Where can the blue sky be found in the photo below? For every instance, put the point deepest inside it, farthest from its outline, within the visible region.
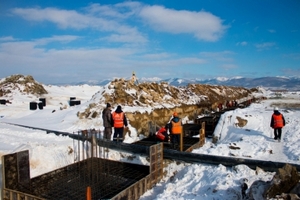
(69, 41)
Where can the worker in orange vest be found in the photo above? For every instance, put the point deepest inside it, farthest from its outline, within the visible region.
(175, 128)
(277, 122)
(162, 134)
(119, 121)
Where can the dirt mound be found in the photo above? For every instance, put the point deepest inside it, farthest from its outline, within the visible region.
(21, 83)
(161, 100)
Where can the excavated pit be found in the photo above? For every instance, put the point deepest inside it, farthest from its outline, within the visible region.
(106, 179)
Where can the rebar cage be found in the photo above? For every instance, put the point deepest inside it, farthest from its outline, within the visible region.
(107, 179)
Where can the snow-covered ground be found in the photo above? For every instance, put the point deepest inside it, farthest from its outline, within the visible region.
(182, 180)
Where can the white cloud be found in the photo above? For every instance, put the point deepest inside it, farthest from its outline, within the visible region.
(129, 38)
(63, 18)
(5, 39)
(244, 43)
(157, 56)
(203, 25)
(265, 45)
(22, 49)
(120, 19)
(66, 64)
(70, 19)
(114, 11)
(57, 38)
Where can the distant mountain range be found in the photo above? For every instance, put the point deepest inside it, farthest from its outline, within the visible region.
(266, 82)
(273, 83)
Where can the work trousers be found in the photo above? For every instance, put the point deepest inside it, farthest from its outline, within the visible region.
(175, 139)
(107, 133)
(277, 133)
(118, 134)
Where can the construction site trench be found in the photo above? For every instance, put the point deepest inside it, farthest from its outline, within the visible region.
(126, 176)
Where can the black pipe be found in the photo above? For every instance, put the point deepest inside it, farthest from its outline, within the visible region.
(198, 158)
(178, 155)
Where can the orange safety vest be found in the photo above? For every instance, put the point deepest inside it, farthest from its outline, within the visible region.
(176, 127)
(118, 119)
(278, 121)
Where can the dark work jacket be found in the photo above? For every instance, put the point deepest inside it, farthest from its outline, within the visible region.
(107, 118)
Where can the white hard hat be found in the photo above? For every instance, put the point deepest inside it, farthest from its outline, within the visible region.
(276, 108)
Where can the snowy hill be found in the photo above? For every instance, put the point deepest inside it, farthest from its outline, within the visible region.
(147, 101)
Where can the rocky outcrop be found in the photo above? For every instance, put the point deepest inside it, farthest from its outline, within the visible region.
(284, 185)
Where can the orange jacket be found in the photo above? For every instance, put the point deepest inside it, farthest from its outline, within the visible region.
(118, 119)
(278, 121)
(176, 127)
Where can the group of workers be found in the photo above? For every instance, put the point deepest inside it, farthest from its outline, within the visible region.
(171, 131)
(117, 120)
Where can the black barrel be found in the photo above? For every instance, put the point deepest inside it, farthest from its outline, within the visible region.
(41, 105)
(43, 100)
(33, 105)
(2, 101)
(74, 102)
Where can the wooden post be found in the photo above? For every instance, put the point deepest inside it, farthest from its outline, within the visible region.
(202, 134)
(181, 141)
(88, 193)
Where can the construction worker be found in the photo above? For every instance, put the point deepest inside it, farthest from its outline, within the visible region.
(119, 121)
(277, 122)
(162, 134)
(175, 128)
(107, 122)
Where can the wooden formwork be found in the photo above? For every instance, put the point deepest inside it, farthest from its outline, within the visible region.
(19, 173)
(201, 139)
(8, 194)
(16, 177)
(156, 163)
(210, 123)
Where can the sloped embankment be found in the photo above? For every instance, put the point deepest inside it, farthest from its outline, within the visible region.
(161, 100)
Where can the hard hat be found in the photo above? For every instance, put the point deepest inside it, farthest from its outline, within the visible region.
(175, 114)
(276, 108)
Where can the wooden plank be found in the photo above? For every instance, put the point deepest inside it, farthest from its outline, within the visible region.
(13, 194)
